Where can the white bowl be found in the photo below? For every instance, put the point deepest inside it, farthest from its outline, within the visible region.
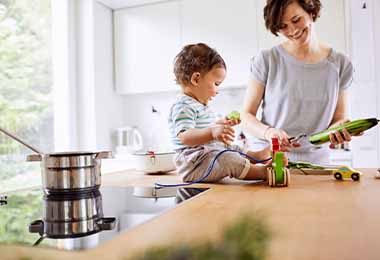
(154, 162)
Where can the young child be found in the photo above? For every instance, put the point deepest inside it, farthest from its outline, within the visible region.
(196, 134)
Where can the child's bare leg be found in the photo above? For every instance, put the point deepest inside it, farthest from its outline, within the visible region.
(257, 172)
(260, 155)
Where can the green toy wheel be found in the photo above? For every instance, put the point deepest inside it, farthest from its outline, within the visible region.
(272, 180)
(271, 177)
(287, 174)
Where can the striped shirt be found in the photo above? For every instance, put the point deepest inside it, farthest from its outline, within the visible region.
(187, 113)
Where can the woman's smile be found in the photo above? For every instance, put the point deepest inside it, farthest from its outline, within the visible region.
(297, 36)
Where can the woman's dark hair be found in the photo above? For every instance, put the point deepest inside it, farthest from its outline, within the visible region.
(274, 11)
(195, 58)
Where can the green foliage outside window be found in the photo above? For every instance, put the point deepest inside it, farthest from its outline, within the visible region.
(25, 76)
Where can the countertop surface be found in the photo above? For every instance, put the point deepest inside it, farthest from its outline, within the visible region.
(316, 217)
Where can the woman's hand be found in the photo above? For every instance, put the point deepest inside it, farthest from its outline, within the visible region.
(282, 136)
(339, 137)
(223, 133)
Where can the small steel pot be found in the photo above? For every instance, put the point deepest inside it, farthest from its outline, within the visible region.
(70, 171)
(69, 216)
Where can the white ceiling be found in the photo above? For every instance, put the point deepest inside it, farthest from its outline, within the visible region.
(117, 4)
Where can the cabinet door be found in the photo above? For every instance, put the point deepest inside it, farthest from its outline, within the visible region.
(266, 38)
(330, 26)
(147, 38)
(227, 26)
(362, 34)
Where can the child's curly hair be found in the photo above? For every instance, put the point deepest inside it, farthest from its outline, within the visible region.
(195, 58)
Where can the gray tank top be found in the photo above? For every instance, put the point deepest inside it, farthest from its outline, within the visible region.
(299, 97)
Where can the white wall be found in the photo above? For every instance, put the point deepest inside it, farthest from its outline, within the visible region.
(364, 91)
(376, 23)
(109, 107)
(86, 106)
(64, 71)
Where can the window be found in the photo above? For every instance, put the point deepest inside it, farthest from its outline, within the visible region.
(26, 102)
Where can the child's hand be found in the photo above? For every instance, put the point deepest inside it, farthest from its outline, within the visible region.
(231, 122)
(223, 133)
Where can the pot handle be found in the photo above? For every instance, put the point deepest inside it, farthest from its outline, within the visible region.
(37, 226)
(34, 158)
(104, 155)
(106, 223)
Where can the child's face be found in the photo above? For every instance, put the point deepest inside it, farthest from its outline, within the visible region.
(207, 84)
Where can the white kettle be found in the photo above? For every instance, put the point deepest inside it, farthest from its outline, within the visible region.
(129, 140)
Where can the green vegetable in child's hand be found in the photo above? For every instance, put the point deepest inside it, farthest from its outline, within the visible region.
(234, 115)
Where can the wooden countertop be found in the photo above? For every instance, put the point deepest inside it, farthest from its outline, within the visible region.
(316, 217)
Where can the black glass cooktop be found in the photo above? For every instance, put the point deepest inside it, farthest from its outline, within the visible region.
(74, 223)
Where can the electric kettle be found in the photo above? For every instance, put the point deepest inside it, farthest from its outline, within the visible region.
(129, 140)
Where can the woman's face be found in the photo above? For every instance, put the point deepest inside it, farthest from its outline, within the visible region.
(296, 24)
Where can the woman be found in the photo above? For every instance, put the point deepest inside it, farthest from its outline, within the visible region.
(301, 83)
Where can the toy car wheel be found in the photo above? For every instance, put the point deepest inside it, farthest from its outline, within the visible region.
(269, 175)
(355, 176)
(338, 175)
(287, 177)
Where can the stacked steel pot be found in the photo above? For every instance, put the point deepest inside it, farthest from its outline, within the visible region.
(70, 172)
(72, 204)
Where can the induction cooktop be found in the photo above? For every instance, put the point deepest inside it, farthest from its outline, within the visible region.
(129, 206)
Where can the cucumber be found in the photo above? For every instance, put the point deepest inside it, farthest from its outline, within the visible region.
(304, 165)
(234, 115)
(353, 127)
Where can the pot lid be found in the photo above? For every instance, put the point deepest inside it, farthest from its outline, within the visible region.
(73, 153)
(153, 153)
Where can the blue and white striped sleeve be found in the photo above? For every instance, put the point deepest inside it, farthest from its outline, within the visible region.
(183, 117)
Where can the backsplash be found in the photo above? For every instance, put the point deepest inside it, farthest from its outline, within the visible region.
(154, 126)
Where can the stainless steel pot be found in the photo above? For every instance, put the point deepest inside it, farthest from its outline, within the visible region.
(70, 171)
(69, 216)
(67, 171)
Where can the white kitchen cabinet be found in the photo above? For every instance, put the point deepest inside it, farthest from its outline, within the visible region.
(365, 93)
(266, 39)
(330, 26)
(227, 26)
(147, 38)
(363, 45)
(376, 30)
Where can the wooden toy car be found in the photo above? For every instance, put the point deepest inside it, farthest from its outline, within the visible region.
(278, 174)
(346, 172)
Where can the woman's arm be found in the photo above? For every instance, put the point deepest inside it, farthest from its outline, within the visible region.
(340, 117)
(340, 114)
(252, 125)
(252, 101)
